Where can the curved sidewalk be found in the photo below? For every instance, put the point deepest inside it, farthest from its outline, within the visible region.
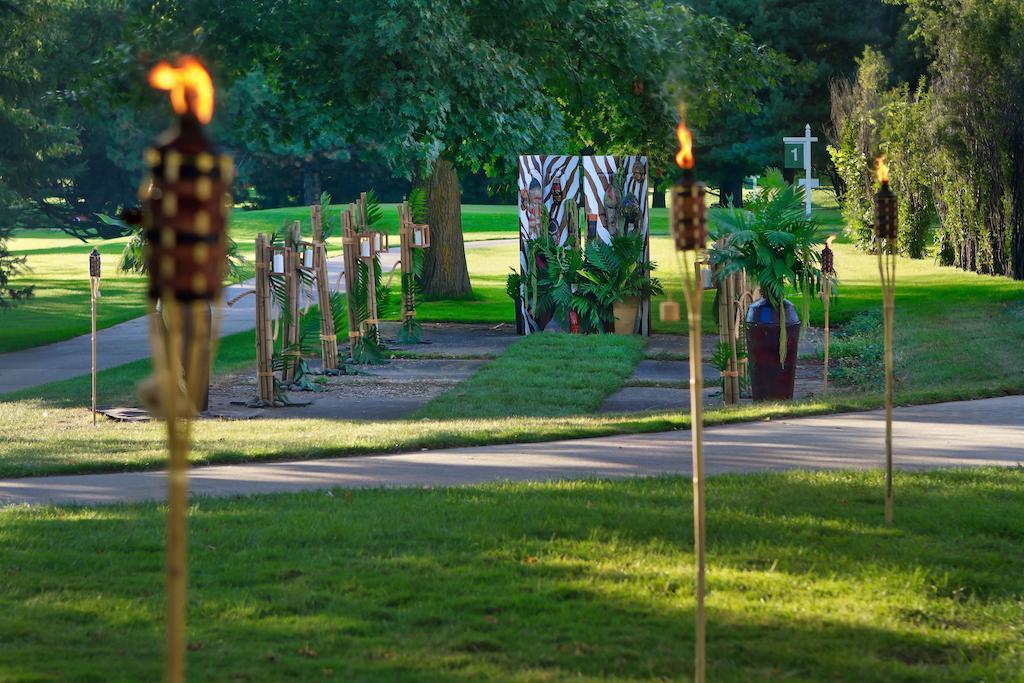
(969, 433)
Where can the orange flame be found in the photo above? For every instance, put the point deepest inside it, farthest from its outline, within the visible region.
(882, 170)
(685, 156)
(189, 84)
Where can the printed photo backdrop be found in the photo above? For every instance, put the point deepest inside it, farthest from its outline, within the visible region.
(547, 181)
(603, 203)
(544, 181)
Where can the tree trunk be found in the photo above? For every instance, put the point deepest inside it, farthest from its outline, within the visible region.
(659, 197)
(444, 264)
(310, 187)
(731, 191)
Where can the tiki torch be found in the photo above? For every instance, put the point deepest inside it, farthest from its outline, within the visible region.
(828, 273)
(185, 205)
(886, 227)
(689, 224)
(94, 293)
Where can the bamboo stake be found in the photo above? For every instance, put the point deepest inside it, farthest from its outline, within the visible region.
(693, 289)
(350, 255)
(733, 321)
(264, 340)
(887, 272)
(827, 294)
(328, 332)
(94, 289)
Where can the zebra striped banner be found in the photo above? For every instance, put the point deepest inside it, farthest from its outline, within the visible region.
(544, 181)
(598, 172)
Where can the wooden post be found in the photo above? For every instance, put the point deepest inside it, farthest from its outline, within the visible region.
(264, 338)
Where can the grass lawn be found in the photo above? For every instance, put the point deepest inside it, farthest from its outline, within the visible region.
(59, 263)
(542, 375)
(535, 582)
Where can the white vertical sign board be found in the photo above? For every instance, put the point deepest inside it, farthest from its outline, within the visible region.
(807, 182)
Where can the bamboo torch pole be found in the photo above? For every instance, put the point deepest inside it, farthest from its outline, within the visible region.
(828, 272)
(688, 223)
(94, 293)
(886, 230)
(185, 206)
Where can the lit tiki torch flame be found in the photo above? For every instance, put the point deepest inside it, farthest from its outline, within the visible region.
(684, 158)
(190, 86)
(185, 210)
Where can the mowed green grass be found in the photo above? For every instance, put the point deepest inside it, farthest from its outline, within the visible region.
(542, 375)
(588, 580)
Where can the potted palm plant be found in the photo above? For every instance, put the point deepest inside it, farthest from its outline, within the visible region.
(616, 277)
(774, 242)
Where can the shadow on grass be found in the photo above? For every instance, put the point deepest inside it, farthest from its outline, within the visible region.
(536, 582)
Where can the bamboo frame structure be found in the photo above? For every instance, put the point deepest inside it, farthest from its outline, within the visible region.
(264, 333)
(405, 257)
(887, 272)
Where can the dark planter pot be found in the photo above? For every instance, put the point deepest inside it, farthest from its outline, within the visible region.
(770, 380)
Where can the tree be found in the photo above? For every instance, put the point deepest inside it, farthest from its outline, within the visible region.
(977, 132)
(438, 88)
(822, 40)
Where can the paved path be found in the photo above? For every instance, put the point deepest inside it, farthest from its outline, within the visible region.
(988, 432)
(129, 341)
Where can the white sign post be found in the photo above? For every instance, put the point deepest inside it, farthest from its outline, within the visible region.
(797, 155)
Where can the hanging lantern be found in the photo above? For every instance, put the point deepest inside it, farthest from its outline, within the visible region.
(688, 215)
(420, 235)
(278, 261)
(307, 255)
(366, 245)
(886, 205)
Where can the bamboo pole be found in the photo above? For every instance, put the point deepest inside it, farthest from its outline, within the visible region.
(827, 295)
(328, 331)
(264, 339)
(94, 285)
(693, 289)
(734, 366)
(887, 272)
(350, 254)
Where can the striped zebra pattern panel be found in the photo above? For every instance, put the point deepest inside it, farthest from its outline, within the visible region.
(543, 181)
(602, 203)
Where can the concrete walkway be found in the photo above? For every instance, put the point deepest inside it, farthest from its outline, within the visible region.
(971, 433)
(129, 341)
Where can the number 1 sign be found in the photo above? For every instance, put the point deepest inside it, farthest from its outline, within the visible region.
(798, 155)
